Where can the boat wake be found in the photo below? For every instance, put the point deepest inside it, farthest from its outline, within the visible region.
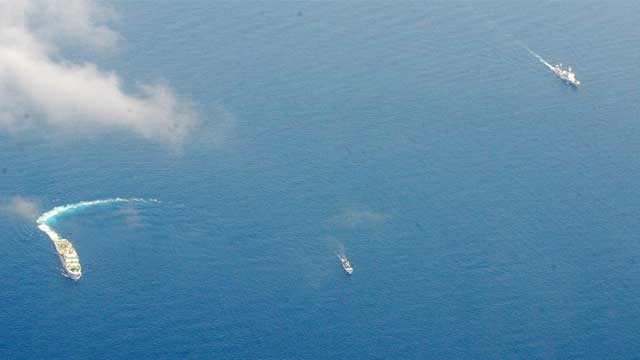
(538, 57)
(45, 220)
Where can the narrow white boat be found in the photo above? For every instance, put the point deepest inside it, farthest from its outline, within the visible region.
(567, 75)
(346, 265)
(68, 258)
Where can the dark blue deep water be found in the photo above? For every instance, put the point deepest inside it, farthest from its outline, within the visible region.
(490, 211)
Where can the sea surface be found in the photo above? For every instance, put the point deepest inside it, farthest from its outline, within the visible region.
(490, 211)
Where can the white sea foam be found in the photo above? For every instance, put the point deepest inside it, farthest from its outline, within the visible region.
(43, 220)
(59, 210)
(538, 57)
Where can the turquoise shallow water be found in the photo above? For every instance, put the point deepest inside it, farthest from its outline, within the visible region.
(489, 210)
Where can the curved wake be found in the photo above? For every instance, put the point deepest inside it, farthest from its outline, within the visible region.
(44, 220)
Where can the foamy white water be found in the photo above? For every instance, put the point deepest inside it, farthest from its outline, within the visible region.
(43, 220)
(539, 58)
(59, 210)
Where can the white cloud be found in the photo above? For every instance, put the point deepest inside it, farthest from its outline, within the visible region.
(20, 207)
(72, 95)
(352, 218)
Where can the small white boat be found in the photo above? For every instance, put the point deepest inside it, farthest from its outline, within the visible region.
(346, 265)
(567, 75)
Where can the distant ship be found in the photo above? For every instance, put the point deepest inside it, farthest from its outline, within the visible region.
(567, 75)
(68, 258)
(346, 265)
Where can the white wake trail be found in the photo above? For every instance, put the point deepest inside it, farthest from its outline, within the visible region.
(44, 219)
(59, 210)
(538, 57)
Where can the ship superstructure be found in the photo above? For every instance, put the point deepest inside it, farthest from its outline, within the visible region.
(68, 258)
(346, 265)
(567, 75)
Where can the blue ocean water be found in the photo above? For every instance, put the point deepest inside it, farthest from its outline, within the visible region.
(490, 211)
